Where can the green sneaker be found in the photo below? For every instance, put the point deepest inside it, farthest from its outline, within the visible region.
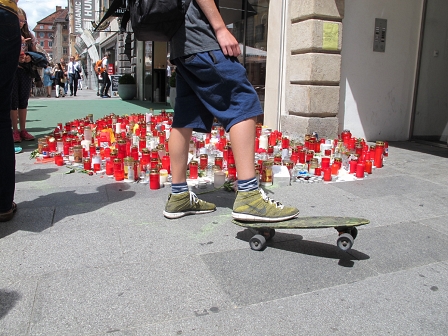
(255, 206)
(186, 203)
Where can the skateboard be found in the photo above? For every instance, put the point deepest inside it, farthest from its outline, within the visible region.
(346, 227)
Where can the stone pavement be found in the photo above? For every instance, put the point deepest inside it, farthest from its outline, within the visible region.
(85, 255)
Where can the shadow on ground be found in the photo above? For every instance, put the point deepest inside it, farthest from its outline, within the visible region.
(295, 243)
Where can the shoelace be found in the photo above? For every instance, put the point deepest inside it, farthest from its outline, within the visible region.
(193, 198)
(270, 200)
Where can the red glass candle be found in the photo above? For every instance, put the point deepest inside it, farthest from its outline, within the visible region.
(353, 164)
(134, 153)
(193, 169)
(203, 161)
(109, 167)
(318, 171)
(294, 157)
(334, 168)
(119, 175)
(360, 170)
(154, 162)
(258, 129)
(66, 147)
(141, 143)
(379, 150)
(325, 162)
(166, 163)
(327, 174)
(272, 139)
(162, 137)
(368, 167)
(386, 149)
(232, 172)
(301, 155)
(154, 179)
(285, 143)
(218, 161)
(87, 164)
(92, 150)
(58, 159)
(257, 144)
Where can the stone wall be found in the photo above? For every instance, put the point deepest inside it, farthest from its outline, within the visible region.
(313, 67)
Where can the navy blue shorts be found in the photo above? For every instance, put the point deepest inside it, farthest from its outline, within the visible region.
(209, 85)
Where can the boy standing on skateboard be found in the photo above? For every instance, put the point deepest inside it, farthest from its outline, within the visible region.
(212, 83)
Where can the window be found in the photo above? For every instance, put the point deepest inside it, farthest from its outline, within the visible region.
(50, 27)
(50, 44)
(65, 38)
(42, 43)
(41, 34)
(64, 50)
(41, 27)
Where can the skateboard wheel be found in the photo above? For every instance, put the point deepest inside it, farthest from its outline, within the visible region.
(257, 242)
(354, 232)
(345, 242)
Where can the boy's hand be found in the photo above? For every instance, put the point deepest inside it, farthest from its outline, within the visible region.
(229, 45)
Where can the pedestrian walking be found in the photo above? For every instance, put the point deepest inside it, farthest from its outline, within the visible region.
(58, 80)
(73, 70)
(65, 79)
(47, 79)
(212, 83)
(9, 59)
(22, 83)
(105, 77)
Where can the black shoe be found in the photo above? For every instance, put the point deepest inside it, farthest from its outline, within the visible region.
(71, 94)
(75, 94)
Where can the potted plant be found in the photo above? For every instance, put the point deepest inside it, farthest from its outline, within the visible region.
(173, 89)
(127, 89)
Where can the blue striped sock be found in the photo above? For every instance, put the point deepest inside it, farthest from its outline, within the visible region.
(177, 188)
(248, 185)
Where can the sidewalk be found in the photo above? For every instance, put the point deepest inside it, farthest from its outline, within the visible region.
(86, 255)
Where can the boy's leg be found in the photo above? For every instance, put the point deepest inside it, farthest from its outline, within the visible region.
(181, 202)
(251, 203)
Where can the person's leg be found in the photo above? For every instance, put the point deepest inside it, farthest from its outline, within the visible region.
(179, 142)
(9, 55)
(108, 83)
(71, 84)
(66, 86)
(241, 136)
(24, 95)
(75, 85)
(49, 90)
(57, 90)
(181, 201)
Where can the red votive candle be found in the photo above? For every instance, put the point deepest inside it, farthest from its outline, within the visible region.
(327, 174)
(353, 164)
(360, 170)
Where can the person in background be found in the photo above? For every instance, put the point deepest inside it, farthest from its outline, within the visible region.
(210, 82)
(58, 74)
(65, 79)
(47, 79)
(22, 84)
(10, 41)
(105, 77)
(73, 70)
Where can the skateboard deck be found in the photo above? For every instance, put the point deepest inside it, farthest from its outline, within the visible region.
(346, 226)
